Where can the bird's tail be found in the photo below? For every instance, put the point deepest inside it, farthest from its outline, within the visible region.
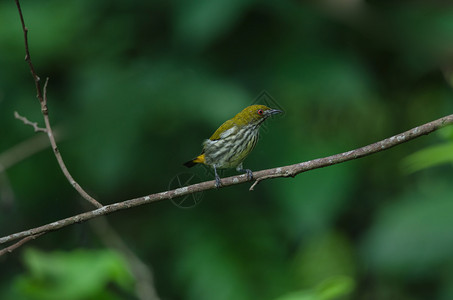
(197, 160)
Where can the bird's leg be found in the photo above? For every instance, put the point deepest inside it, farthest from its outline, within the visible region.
(217, 178)
(248, 171)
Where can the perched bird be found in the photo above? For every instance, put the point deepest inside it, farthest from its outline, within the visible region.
(233, 141)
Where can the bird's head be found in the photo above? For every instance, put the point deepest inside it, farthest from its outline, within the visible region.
(254, 115)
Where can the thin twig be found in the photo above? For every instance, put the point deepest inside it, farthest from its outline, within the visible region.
(286, 171)
(42, 97)
(27, 54)
(27, 122)
(59, 158)
(19, 243)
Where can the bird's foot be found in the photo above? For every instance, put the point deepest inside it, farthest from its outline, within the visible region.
(218, 184)
(247, 171)
(249, 174)
(217, 178)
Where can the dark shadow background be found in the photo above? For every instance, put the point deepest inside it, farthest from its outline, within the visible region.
(136, 86)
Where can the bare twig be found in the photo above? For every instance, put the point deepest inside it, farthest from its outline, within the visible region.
(27, 122)
(42, 97)
(286, 171)
(27, 54)
(19, 243)
(145, 288)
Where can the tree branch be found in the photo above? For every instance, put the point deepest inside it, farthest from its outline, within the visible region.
(286, 171)
(28, 122)
(19, 243)
(41, 94)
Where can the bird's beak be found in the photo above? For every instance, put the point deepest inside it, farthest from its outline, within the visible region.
(272, 112)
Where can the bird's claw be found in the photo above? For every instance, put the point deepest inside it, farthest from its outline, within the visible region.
(218, 183)
(249, 174)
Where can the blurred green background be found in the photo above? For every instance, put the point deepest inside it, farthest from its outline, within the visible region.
(135, 87)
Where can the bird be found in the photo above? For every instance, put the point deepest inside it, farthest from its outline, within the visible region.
(233, 141)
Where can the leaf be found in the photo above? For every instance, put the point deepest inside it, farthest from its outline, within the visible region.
(429, 157)
(79, 274)
(330, 289)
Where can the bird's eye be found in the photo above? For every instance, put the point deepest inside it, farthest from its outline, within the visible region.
(260, 112)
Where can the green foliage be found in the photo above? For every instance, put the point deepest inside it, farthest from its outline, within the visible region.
(429, 157)
(75, 275)
(331, 289)
(432, 156)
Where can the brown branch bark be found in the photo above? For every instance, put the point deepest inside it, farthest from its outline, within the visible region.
(19, 243)
(41, 94)
(286, 171)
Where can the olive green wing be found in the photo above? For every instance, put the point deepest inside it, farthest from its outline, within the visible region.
(226, 129)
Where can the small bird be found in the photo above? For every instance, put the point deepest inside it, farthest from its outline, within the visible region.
(233, 141)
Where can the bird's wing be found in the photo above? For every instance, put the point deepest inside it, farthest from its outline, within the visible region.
(226, 129)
